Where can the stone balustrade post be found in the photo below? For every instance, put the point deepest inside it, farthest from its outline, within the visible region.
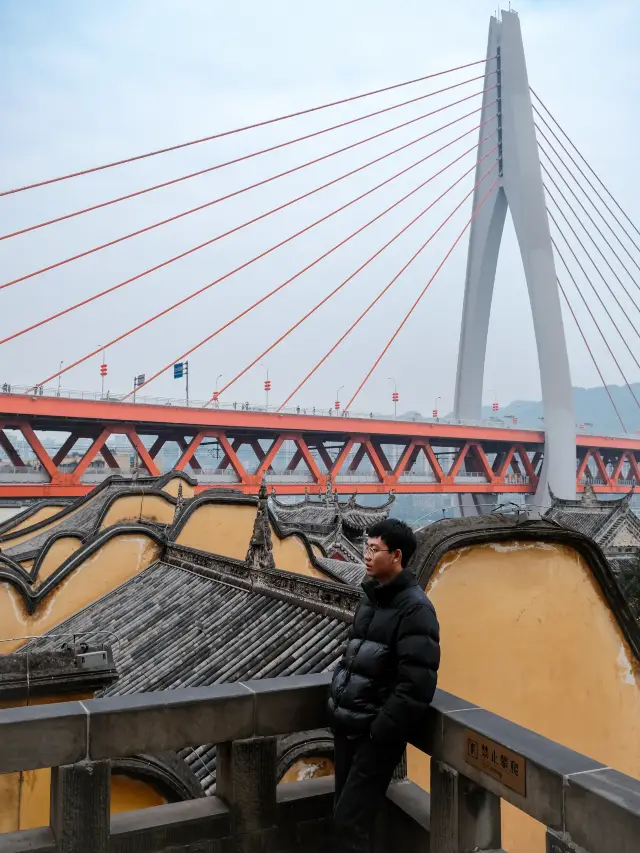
(464, 816)
(80, 800)
(246, 782)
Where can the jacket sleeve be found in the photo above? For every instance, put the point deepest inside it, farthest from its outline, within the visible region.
(418, 653)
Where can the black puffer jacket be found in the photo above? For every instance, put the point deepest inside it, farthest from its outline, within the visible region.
(387, 677)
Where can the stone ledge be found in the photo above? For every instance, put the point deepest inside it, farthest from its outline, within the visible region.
(171, 719)
(42, 736)
(39, 840)
(602, 811)
(176, 825)
(282, 707)
(561, 785)
(311, 799)
(413, 801)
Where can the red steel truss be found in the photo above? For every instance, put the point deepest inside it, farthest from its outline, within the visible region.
(294, 453)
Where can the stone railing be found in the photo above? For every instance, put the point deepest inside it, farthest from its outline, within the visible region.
(479, 759)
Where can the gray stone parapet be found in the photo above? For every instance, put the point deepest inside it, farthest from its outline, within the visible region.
(479, 759)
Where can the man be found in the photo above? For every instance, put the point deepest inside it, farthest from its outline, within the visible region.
(384, 684)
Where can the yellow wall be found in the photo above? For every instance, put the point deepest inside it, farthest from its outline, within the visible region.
(227, 528)
(527, 634)
(220, 528)
(40, 515)
(132, 507)
(129, 794)
(56, 555)
(118, 560)
(24, 802)
(9, 802)
(290, 555)
(310, 767)
(171, 488)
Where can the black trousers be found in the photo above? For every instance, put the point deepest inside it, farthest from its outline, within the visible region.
(363, 770)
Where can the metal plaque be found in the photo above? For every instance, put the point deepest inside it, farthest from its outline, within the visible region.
(556, 843)
(506, 767)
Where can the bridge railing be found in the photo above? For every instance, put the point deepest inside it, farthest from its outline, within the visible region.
(478, 760)
(329, 412)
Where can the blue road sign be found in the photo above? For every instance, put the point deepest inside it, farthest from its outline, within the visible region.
(178, 370)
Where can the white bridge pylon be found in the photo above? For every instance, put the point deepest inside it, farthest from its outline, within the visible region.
(508, 112)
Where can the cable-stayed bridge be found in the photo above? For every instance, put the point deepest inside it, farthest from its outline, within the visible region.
(482, 142)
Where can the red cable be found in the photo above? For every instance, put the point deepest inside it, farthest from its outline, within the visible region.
(593, 358)
(295, 276)
(245, 189)
(597, 325)
(382, 292)
(226, 275)
(424, 290)
(233, 162)
(244, 224)
(240, 129)
(362, 266)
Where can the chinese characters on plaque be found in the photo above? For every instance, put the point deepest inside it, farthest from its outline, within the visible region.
(505, 766)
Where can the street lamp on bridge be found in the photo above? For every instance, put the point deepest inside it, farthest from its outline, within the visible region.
(395, 397)
(267, 385)
(435, 407)
(216, 393)
(337, 403)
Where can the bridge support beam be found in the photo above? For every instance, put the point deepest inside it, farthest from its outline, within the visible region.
(521, 191)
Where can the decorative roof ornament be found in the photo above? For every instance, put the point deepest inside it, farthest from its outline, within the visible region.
(627, 498)
(180, 502)
(328, 492)
(589, 496)
(260, 553)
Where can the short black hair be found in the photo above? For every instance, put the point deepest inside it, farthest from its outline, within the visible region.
(397, 536)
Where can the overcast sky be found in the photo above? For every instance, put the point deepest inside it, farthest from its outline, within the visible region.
(87, 82)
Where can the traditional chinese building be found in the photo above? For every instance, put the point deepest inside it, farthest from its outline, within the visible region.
(127, 601)
(339, 527)
(163, 588)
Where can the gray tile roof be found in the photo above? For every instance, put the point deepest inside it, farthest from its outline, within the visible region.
(351, 573)
(328, 512)
(585, 521)
(177, 628)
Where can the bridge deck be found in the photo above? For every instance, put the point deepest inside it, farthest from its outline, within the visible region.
(294, 452)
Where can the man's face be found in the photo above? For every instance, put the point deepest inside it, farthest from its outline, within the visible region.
(381, 563)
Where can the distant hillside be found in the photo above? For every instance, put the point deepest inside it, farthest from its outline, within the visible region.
(591, 406)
